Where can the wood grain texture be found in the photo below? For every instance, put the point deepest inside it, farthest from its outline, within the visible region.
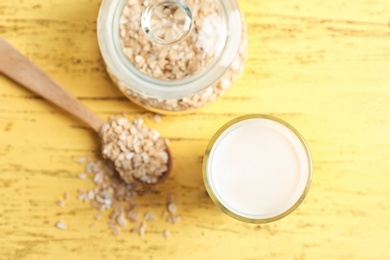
(19, 68)
(323, 66)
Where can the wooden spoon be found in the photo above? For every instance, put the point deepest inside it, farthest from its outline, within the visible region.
(19, 68)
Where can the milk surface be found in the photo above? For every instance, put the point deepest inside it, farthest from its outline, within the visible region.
(258, 168)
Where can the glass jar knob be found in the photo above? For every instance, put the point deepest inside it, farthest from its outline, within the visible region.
(167, 22)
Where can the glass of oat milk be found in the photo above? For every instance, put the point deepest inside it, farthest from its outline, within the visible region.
(257, 168)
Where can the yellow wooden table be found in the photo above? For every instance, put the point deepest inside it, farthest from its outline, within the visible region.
(323, 66)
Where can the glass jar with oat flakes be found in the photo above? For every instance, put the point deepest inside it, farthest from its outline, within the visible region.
(172, 55)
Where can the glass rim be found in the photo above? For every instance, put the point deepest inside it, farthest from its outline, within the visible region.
(213, 196)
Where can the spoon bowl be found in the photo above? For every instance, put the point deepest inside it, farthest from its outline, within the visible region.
(163, 177)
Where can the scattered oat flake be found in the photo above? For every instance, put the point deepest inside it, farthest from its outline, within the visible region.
(81, 160)
(60, 203)
(61, 225)
(82, 176)
(82, 196)
(142, 229)
(90, 195)
(114, 228)
(66, 196)
(166, 233)
(172, 208)
(157, 118)
(176, 219)
(89, 166)
(133, 216)
(92, 225)
(149, 216)
(164, 214)
(98, 216)
(173, 219)
(121, 220)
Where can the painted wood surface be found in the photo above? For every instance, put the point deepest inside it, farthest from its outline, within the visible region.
(323, 66)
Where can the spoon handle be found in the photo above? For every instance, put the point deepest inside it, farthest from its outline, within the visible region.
(19, 68)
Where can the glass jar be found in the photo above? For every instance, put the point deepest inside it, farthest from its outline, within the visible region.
(257, 168)
(173, 55)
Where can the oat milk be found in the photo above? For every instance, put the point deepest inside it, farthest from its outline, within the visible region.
(258, 169)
